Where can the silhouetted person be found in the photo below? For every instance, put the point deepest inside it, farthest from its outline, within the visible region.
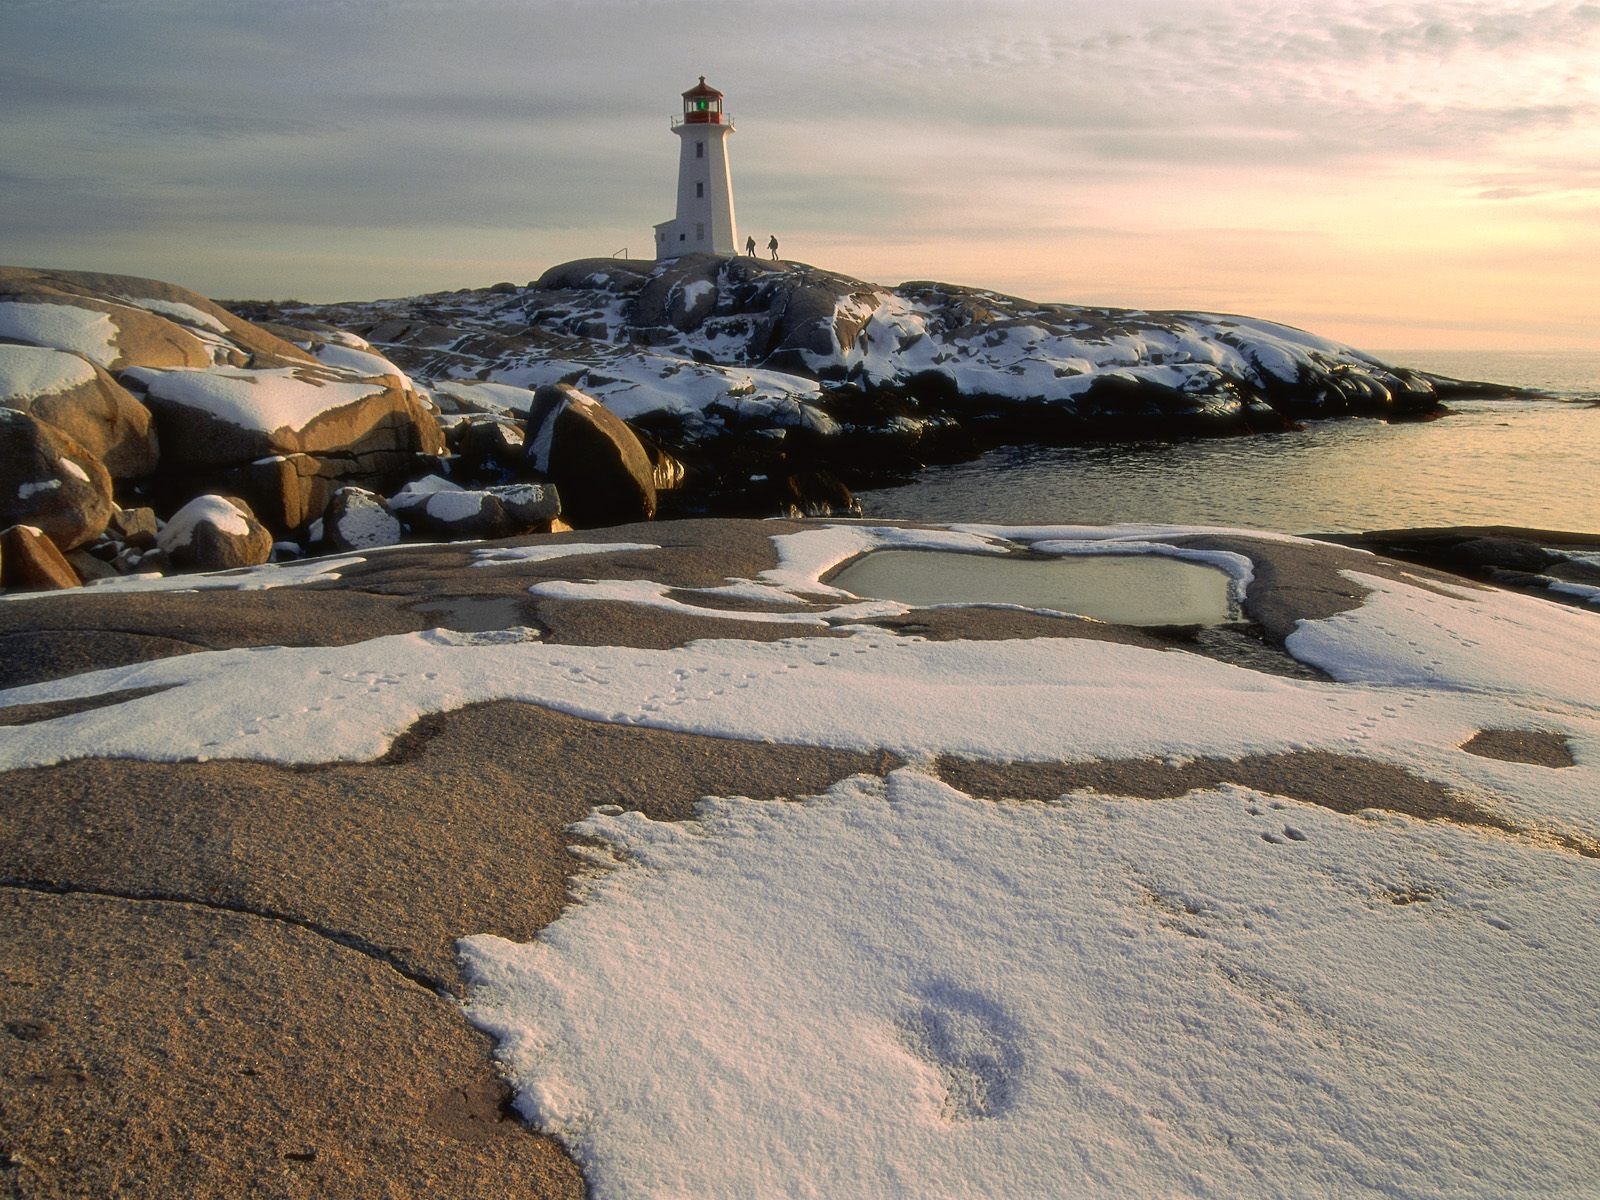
(750, 245)
(772, 244)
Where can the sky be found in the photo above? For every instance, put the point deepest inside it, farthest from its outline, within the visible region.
(1416, 174)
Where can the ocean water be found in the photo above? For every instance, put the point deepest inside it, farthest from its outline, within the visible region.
(1501, 462)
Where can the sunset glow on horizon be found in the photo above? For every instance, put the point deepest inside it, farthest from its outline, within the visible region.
(1416, 174)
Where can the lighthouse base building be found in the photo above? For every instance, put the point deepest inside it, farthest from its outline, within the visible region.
(705, 222)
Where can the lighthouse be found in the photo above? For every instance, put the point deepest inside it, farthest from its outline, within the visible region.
(704, 224)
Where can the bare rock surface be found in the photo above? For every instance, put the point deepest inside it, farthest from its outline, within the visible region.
(181, 1048)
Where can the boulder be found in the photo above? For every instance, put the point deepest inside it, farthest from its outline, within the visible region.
(358, 520)
(286, 492)
(50, 481)
(215, 533)
(30, 562)
(598, 465)
(666, 470)
(532, 504)
(82, 400)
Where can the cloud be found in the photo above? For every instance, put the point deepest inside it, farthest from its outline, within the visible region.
(393, 124)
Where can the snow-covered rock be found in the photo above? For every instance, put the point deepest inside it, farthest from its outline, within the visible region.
(222, 416)
(83, 400)
(99, 354)
(440, 508)
(358, 520)
(215, 533)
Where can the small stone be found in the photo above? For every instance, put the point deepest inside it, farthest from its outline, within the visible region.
(134, 526)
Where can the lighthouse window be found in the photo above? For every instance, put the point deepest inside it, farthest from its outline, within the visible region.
(699, 233)
(699, 149)
(700, 190)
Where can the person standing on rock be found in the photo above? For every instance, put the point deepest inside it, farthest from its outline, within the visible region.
(772, 244)
(750, 245)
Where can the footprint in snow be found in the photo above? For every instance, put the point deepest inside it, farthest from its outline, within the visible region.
(968, 1038)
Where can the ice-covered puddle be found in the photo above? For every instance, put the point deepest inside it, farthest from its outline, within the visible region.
(895, 990)
(1128, 589)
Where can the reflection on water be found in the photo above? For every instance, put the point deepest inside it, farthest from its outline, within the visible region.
(1129, 589)
(1526, 463)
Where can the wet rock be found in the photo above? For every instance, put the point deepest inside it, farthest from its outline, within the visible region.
(813, 494)
(1509, 554)
(215, 533)
(598, 465)
(49, 481)
(30, 562)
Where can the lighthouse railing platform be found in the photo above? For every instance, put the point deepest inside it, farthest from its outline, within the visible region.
(703, 119)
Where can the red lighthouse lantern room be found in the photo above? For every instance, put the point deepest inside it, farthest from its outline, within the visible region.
(702, 104)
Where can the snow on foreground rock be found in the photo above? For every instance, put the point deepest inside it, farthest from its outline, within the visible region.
(899, 991)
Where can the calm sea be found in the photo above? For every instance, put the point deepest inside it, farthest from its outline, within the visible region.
(1516, 462)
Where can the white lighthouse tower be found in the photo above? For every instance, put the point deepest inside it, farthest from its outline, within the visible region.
(704, 224)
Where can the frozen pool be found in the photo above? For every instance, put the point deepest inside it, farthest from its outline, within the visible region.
(1127, 589)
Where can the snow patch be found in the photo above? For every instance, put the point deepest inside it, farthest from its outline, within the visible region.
(30, 372)
(215, 511)
(496, 556)
(83, 331)
(184, 314)
(896, 990)
(1463, 639)
(266, 400)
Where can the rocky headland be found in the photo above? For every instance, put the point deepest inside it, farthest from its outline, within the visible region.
(146, 429)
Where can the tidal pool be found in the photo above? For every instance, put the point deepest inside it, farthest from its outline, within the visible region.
(1127, 589)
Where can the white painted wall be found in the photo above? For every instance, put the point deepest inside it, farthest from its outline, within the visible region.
(705, 222)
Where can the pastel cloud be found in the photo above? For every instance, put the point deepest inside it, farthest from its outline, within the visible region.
(299, 147)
